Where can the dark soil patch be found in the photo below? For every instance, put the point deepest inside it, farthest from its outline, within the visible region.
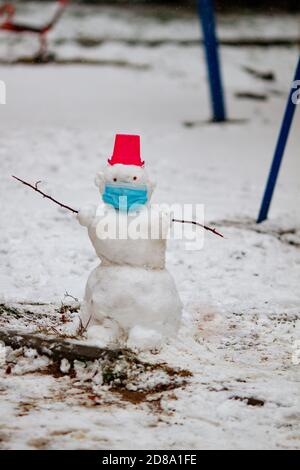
(250, 401)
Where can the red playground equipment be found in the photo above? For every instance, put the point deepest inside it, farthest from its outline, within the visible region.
(8, 11)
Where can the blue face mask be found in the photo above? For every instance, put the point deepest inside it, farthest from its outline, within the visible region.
(125, 197)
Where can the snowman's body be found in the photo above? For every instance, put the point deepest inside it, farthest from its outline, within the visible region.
(130, 297)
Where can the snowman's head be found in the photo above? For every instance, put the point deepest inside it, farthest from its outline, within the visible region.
(125, 175)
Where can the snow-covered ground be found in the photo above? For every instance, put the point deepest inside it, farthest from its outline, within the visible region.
(241, 295)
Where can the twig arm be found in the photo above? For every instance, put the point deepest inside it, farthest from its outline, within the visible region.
(35, 188)
(210, 229)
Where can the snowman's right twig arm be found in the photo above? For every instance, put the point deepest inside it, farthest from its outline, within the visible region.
(35, 188)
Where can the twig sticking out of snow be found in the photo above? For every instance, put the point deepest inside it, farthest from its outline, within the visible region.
(35, 188)
(71, 296)
(213, 230)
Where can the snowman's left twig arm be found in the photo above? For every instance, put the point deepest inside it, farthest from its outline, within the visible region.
(35, 188)
(213, 230)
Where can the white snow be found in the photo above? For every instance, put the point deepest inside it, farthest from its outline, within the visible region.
(241, 295)
(65, 366)
(145, 339)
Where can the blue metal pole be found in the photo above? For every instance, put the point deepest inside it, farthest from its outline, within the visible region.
(207, 20)
(279, 151)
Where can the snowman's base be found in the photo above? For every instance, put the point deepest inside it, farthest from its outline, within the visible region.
(142, 311)
(139, 338)
(142, 339)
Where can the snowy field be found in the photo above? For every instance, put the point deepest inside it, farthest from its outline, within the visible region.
(241, 295)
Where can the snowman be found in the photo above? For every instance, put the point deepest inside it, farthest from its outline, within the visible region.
(130, 297)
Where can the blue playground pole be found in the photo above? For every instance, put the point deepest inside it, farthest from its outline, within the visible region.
(279, 152)
(207, 19)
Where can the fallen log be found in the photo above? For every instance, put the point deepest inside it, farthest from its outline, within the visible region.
(119, 366)
(132, 379)
(58, 349)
